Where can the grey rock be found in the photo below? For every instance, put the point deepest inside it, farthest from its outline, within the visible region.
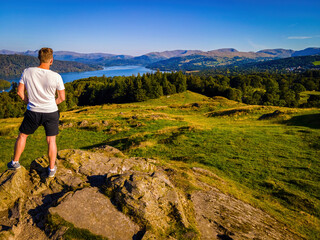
(220, 216)
(13, 185)
(83, 124)
(150, 197)
(89, 209)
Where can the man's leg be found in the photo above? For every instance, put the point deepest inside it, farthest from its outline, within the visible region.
(19, 146)
(52, 150)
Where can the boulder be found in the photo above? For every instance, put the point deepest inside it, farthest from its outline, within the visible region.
(65, 177)
(220, 216)
(97, 163)
(83, 124)
(89, 209)
(13, 185)
(150, 198)
(108, 151)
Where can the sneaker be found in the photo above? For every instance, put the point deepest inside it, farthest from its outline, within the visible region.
(13, 165)
(52, 173)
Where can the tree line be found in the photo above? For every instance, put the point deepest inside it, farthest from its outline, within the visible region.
(258, 88)
(4, 84)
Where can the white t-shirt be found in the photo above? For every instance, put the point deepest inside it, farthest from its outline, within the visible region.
(41, 85)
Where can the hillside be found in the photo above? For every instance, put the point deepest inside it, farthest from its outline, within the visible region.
(306, 52)
(284, 65)
(214, 153)
(199, 62)
(232, 59)
(13, 65)
(281, 53)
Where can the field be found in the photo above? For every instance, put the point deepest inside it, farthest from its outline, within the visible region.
(306, 94)
(272, 163)
(316, 63)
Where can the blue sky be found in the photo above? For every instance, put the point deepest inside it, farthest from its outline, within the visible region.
(138, 27)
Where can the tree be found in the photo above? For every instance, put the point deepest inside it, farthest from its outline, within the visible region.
(180, 82)
(290, 98)
(4, 84)
(168, 88)
(298, 88)
(139, 92)
(314, 101)
(233, 94)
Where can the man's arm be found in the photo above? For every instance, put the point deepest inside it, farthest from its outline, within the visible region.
(21, 91)
(61, 96)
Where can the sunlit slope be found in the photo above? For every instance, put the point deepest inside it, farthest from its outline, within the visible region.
(272, 163)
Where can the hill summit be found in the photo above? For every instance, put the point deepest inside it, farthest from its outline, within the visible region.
(102, 194)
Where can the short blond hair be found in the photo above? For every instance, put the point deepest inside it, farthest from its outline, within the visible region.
(45, 54)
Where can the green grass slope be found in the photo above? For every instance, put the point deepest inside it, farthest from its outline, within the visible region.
(272, 164)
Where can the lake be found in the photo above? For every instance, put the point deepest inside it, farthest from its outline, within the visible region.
(107, 71)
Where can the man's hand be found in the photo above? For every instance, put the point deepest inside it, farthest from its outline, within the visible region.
(21, 91)
(61, 96)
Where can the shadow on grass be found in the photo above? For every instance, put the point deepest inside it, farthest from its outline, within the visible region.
(121, 144)
(93, 146)
(309, 120)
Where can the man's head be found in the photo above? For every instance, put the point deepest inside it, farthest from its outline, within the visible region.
(45, 55)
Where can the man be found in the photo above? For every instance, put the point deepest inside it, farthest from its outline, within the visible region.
(41, 85)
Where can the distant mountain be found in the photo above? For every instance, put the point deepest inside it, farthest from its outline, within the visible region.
(143, 59)
(224, 57)
(65, 55)
(279, 53)
(12, 65)
(170, 54)
(3, 51)
(110, 59)
(198, 62)
(231, 52)
(177, 59)
(306, 52)
(284, 65)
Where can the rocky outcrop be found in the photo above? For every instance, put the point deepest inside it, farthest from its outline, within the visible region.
(102, 194)
(89, 209)
(150, 197)
(233, 219)
(12, 187)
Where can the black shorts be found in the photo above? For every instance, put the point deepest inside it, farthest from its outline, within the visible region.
(32, 120)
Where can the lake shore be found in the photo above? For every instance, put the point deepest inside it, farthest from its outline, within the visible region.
(112, 71)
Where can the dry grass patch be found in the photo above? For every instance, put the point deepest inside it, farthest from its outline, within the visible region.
(145, 144)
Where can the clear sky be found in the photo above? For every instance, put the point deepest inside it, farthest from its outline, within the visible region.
(137, 27)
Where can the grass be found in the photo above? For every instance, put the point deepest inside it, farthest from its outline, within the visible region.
(306, 94)
(316, 63)
(272, 164)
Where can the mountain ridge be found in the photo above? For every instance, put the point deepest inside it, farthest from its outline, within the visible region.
(13, 65)
(174, 60)
(223, 52)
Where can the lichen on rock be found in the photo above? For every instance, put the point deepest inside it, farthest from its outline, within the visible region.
(13, 186)
(102, 194)
(150, 198)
